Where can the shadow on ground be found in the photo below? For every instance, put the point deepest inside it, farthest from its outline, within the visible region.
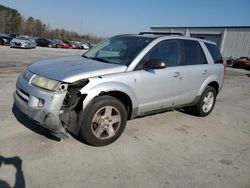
(17, 163)
(25, 121)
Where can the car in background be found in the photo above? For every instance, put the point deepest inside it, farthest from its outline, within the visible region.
(71, 44)
(247, 64)
(91, 45)
(61, 44)
(84, 46)
(240, 62)
(75, 44)
(14, 35)
(230, 61)
(4, 39)
(53, 43)
(43, 42)
(23, 41)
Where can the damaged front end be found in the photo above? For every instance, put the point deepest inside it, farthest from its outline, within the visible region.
(55, 110)
(72, 105)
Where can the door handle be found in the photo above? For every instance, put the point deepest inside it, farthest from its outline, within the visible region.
(204, 72)
(176, 74)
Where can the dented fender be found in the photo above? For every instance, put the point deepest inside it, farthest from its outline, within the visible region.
(96, 87)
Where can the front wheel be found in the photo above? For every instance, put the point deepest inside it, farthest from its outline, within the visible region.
(103, 121)
(206, 102)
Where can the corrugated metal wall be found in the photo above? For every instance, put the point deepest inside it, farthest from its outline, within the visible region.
(235, 42)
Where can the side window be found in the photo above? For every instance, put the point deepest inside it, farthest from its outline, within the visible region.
(168, 51)
(215, 53)
(193, 53)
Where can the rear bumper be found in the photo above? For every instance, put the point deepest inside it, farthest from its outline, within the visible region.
(27, 97)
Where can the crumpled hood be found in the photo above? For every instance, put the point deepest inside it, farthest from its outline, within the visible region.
(73, 68)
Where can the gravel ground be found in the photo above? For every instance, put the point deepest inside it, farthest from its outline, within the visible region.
(170, 149)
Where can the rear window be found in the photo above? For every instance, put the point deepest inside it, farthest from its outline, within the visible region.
(215, 53)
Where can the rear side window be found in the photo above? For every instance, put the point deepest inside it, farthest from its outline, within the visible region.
(215, 53)
(192, 53)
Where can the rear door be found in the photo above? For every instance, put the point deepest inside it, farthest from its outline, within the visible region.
(194, 68)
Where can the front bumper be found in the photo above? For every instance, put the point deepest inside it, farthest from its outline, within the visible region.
(27, 97)
(19, 45)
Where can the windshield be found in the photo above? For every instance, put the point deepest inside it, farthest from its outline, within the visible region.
(119, 49)
(57, 40)
(23, 38)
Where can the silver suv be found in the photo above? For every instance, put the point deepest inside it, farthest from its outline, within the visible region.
(119, 79)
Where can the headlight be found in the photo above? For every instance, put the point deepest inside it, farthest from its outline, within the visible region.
(45, 83)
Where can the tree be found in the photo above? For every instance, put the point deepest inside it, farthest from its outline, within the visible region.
(11, 21)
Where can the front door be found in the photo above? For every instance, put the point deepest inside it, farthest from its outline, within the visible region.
(160, 88)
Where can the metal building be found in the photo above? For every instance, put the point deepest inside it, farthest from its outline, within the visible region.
(233, 41)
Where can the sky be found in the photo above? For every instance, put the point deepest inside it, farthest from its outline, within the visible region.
(110, 17)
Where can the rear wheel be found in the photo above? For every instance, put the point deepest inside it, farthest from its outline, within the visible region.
(103, 121)
(206, 102)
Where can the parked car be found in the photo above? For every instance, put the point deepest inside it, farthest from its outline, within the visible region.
(43, 42)
(14, 35)
(4, 39)
(91, 45)
(123, 77)
(240, 62)
(230, 61)
(61, 44)
(72, 45)
(84, 46)
(23, 41)
(53, 43)
(247, 64)
(75, 44)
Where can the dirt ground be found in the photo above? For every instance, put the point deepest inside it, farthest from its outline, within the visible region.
(170, 149)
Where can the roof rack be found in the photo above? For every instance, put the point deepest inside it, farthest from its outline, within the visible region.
(160, 33)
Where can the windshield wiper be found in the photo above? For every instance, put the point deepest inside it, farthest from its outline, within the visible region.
(99, 59)
(85, 56)
(96, 58)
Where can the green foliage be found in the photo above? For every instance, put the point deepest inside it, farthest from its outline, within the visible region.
(11, 21)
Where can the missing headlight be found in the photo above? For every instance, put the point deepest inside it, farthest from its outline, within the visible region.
(73, 94)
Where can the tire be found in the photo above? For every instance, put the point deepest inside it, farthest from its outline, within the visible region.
(103, 121)
(203, 108)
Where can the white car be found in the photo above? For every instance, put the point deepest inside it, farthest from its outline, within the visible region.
(84, 46)
(23, 42)
(121, 78)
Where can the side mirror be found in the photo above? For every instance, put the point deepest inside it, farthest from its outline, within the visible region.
(154, 64)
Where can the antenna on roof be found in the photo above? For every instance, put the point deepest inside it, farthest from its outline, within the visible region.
(160, 33)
